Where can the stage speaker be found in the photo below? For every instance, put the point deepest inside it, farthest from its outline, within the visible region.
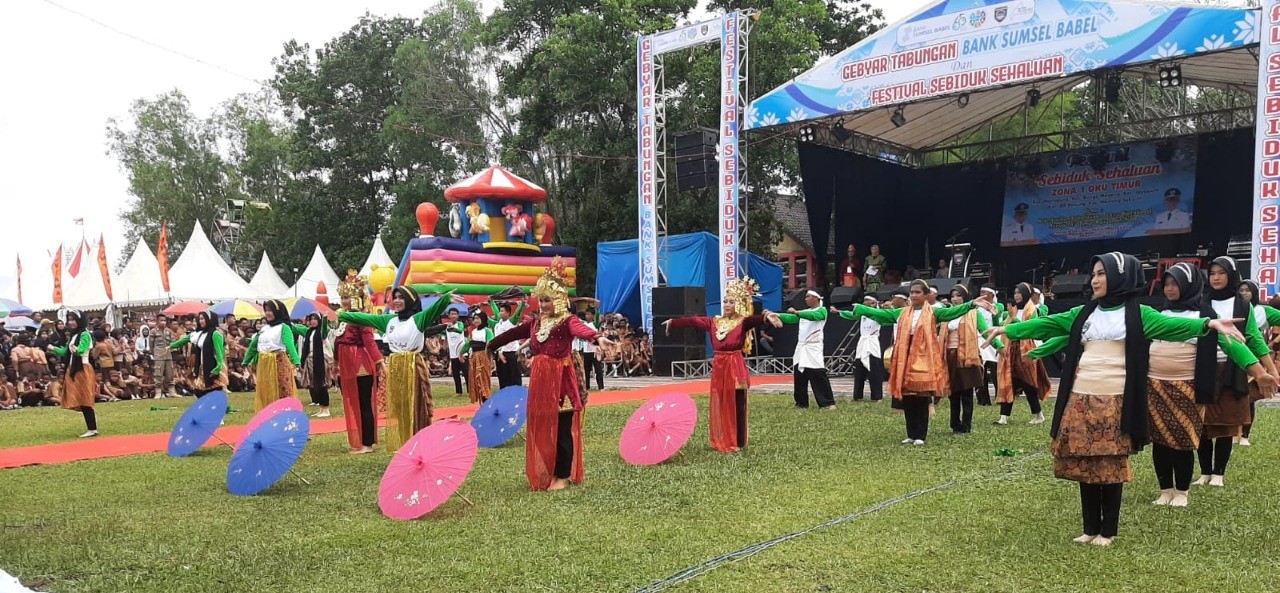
(677, 337)
(696, 165)
(944, 286)
(1072, 286)
(795, 300)
(679, 301)
(845, 296)
(663, 356)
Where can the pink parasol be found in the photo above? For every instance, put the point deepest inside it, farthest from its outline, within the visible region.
(658, 429)
(267, 413)
(428, 469)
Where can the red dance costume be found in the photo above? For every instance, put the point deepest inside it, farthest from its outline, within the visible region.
(358, 356)
(729, 375)
(552, 387)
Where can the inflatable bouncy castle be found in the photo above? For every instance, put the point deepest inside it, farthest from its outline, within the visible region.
(497, 240)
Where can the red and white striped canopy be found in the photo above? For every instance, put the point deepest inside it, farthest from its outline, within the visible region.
(496, 183)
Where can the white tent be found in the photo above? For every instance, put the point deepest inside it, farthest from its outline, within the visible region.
(37, 280)
(267, 281)
(318, 270)
(377, 255)
(200, 274)
(87, 291)
(139, 284)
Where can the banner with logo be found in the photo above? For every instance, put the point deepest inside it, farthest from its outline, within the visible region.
(1266, 175)
(957, 46)
(1115, 192)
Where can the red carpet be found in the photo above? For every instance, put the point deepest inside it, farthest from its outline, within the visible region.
(104, 447)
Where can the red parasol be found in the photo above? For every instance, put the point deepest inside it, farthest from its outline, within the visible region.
(428, 469)
(186, 308)
(658, 429)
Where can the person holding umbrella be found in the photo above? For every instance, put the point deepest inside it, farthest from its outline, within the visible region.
(79, 382)
(404, 331)
(209, 350)
(553, 445)
(274, 349)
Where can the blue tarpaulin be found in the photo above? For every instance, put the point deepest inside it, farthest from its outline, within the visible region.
(691, 262)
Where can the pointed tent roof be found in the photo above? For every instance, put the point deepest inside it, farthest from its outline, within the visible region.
(266, 280)
(496, 182)
(200, 274)
(87, 291)
(377, 255)
(139, 283)
(993, 51)
(318, 270)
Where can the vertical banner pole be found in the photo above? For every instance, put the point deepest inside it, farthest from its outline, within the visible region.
(1266, 187)
(646, 154)
(728, 187)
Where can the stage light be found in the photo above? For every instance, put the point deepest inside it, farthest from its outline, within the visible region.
(898, 118)
(1171, 76)
(1111, 88)
(807, 134)
(840, 132)
(963, 100)
(1033, 98)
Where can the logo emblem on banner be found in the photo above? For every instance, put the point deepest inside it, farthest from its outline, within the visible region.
(1001, 13)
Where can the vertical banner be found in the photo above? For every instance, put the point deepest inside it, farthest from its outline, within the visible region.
(56, 269)
(103, 268)
(162, 254)
(19, 278)
(647, 182)
(1266, 176)
(728, 188)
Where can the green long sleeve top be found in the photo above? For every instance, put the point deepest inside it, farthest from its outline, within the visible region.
(80, 348)
(466, 346)
(814, 314)
(287, 337)
(422, 319)
(496, 315)
(890, 316)
(219, 349)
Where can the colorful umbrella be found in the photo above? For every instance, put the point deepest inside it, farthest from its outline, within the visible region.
(301, 307)
(268, 453)
(18, 322)
(241, 309)
(428, 469)
(501, 417)
(272, 410)
(14, 308)
(658, 429)
(197, 424)
(186, 308)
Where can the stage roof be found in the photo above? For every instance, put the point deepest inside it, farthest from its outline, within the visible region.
(986, 55)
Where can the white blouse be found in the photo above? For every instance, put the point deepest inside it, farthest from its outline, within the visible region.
(403, 336)
(270, 338)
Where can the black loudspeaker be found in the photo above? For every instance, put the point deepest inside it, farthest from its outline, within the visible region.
(663, 356)
(795, 300)
(679, 301)
(677, 337)
(1071, 286)
(844, 296)
(944, 285)
(696, 165)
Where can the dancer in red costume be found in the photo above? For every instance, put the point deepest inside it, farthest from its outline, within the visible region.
(553, 445)
(361, 373)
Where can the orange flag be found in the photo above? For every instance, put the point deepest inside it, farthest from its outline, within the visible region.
(102, 267)
(19, 278)
(56, 268)
(162, 254)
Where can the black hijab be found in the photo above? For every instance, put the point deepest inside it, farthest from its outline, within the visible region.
(1253, 291)
(208, 357)
(484, 321)
(1233, 279)
(1125, 282)
(412, 301)
(963, 291)
(74, 363)
(279, 312)
(313, 347)
(1191, 283)
(1233, 377)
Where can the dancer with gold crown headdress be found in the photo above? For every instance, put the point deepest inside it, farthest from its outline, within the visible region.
(553, 447)
(275, 350)
(361, 372)
(730, 337)
(409, 404)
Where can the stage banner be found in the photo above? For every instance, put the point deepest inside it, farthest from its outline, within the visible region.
(728, 188)
(953, 47)
(1115, 192)
(1266, 175)
(647, 181)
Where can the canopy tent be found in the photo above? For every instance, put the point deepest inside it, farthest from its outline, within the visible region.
(37, 280)
(267, 281)
(139, 284)
(200, 274)
(691, 262)
(318, 270)
(88, 290)
(378, 255)
(955, 66)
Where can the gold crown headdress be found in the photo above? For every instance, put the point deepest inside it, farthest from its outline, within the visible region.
(738, 295)
(355, 289)
(553, 284)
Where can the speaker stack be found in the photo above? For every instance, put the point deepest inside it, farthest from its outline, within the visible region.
(944, 285)
(1072, 286)
(845, 296)
(696, 165)
(670, 302)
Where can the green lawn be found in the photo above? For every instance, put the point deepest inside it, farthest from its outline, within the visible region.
(150, 523)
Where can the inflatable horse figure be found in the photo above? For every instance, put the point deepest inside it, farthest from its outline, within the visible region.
(519, 221)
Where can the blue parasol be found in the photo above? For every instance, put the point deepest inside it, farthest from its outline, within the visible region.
(501, 417)
(197, 424)
(15, 308)
(268, 453)
(462, 308)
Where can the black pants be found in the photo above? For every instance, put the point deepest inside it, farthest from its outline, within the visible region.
(740, 410)
(564, 445)
(1033, 398)
(320, 396)
(1253, 414)
(459, 369)
(590, 363)
(1173, 468)
(1214, 455)
(962, 411)
(503, 369)
(1100, 508)
(821, 387)
(368, 426)
(989, 375)
(915, 408)
(90, 419)
(874, 375)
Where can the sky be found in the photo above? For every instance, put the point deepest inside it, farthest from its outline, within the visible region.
(66, 75)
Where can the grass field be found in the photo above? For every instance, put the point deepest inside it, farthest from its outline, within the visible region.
(990, 524)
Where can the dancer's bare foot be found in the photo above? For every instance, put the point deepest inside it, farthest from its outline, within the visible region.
(1166, 496)
(89, 434)
(1101, 541)
(558, 484)
(1180, 498)
(1215, 480)
(362, 450)
(1084, 539)
(1203, 480)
